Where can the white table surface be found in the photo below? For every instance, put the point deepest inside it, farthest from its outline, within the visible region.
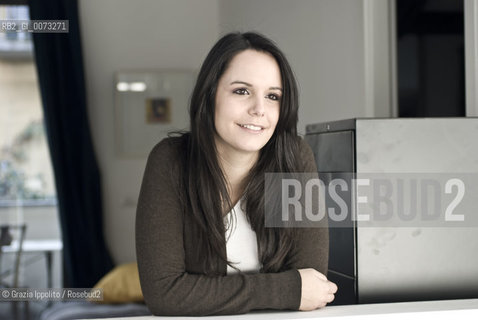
(35, 246)
(423, 310)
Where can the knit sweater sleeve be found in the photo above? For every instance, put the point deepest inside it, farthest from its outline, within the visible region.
(311, 247)
(167, 287)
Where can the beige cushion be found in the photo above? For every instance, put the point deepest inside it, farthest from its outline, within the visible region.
(121, 285)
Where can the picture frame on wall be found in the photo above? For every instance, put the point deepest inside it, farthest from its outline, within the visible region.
(158, 110)
(148, 105)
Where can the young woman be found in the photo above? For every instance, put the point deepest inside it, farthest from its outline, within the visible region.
(201, 243)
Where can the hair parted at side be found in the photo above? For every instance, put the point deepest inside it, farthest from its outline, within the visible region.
(203, 182)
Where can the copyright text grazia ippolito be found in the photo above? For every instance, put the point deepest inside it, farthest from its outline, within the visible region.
(53, 294)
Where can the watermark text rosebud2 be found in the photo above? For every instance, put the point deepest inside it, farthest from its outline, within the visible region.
(371, 199)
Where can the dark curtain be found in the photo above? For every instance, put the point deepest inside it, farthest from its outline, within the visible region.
(60, 72)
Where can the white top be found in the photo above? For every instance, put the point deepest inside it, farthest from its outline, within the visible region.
(241, 242)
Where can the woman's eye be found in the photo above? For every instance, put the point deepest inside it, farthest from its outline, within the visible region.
(241, 91)
(274, 97)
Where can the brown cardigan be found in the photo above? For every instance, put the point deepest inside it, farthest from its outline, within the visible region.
(173, 283)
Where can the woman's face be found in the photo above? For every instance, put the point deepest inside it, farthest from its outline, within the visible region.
(247, 102)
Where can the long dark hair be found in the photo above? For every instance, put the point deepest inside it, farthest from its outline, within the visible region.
(203, 181)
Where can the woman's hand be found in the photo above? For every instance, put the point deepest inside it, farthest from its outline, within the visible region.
(317, 291)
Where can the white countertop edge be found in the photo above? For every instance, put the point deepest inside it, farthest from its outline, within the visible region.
(423, 310)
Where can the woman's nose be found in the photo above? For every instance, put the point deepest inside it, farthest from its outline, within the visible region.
(258, 109)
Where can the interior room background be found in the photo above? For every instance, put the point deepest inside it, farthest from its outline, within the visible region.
(343, 53)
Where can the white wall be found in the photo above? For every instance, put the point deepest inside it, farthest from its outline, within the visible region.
(471, 57)
(323, 39)
(141, 34)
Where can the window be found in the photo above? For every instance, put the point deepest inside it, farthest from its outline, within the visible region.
(25, 170)
(27, 188)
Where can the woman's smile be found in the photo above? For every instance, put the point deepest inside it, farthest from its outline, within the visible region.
(252, 128)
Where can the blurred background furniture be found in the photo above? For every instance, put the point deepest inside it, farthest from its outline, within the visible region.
(11, 241)
(46, 247)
